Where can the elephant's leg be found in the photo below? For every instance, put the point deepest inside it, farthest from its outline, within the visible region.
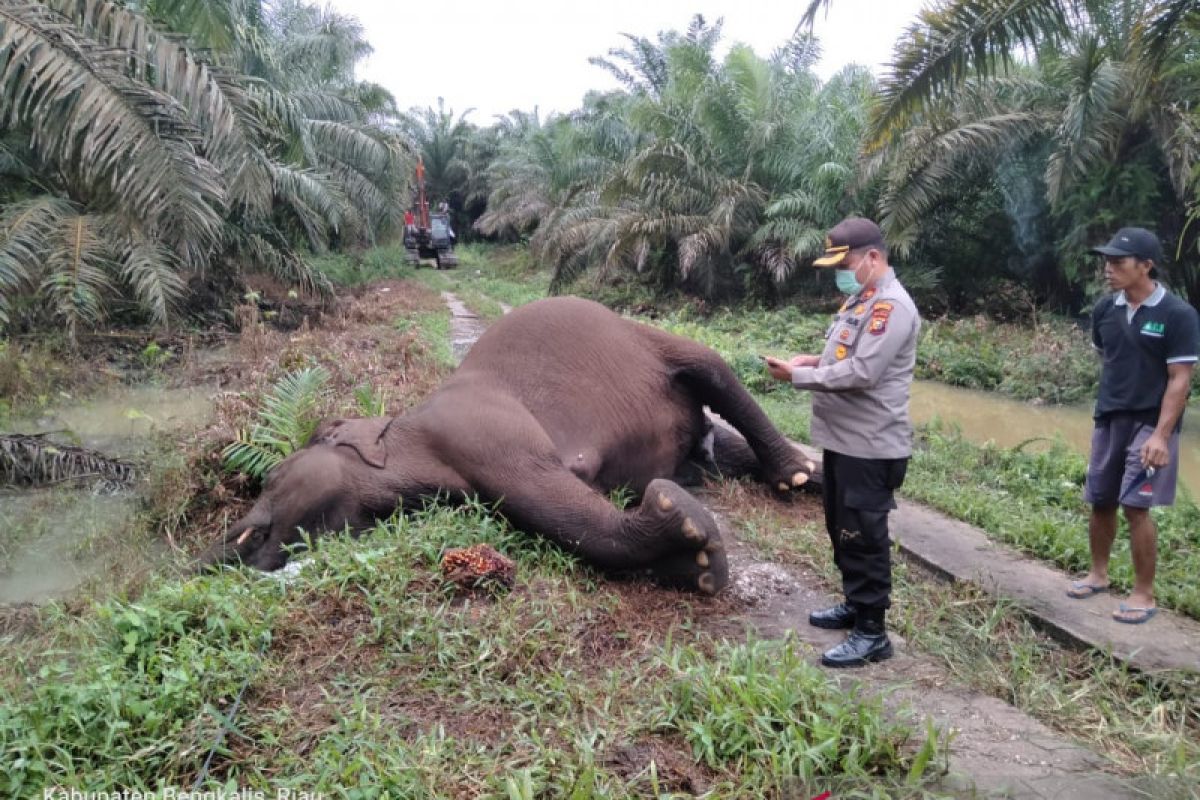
(670, 533)
(710, 381)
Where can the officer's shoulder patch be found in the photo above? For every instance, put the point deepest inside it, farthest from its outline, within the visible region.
(841, 352)
(879, 317)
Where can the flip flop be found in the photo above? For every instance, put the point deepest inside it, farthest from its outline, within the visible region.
(1081, 591)
(1143, 614)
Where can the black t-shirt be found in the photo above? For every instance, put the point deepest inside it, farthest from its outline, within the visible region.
(1137, 352)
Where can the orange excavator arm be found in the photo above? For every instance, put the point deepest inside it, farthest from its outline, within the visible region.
(422, 202)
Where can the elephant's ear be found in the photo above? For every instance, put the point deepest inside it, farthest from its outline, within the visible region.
(365, 436)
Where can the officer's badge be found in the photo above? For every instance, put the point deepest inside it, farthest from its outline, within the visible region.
(841, 352)
(860, 309)
(879, 318)
(867, 295)
(844, 336)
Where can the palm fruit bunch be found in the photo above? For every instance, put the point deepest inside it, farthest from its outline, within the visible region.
(478, 566)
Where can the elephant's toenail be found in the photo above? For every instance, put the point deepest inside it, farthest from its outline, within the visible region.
(783, 487)
(707, 583)
(702, 559)
(690, 530)
(665, 502)
(810, 466)
(799, 479)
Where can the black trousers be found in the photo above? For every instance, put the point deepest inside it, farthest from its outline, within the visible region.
(858, 494)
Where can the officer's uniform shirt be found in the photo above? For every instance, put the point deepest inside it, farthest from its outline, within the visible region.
(861, 386)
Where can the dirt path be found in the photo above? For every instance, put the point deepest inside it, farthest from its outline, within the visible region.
(997, 751)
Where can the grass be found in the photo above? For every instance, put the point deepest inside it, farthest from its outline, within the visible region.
(365, 670)
(354, 269)
(489, 278)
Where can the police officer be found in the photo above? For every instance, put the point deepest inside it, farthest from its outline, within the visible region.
(860, 418)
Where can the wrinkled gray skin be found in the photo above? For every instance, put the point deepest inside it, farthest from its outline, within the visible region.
(557, 404)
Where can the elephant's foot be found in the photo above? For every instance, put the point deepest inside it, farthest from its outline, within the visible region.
(792, 472)
(696, 556)
(705, 571)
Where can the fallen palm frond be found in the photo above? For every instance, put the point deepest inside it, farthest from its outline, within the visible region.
(34, 460)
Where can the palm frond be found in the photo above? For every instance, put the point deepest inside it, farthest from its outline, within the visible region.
(1092, 119)
(119, 137)
(153, 274)
(286, 420)
(76, 278)
(213, 98)
(948, 44)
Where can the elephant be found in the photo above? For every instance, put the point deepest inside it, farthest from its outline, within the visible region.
(558, 404)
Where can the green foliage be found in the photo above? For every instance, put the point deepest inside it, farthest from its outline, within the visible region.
(140, 700)
(286, 421)
(368, 402)
(354, 269)
(763, 709)
(155, 356)
(159, 151)
(1088, 100)
(716, 176)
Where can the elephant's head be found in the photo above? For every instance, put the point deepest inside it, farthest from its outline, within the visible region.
(319, 488)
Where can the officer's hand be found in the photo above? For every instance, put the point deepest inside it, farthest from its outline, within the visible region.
(805, 361)
(1154, 451)
(780, 370)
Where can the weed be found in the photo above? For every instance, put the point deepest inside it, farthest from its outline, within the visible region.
(285, 422)
(155, 356)
(769, 713)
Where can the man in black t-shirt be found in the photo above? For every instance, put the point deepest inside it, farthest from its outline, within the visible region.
(1150, 343)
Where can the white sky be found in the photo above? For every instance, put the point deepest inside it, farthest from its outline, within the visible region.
(497, 55)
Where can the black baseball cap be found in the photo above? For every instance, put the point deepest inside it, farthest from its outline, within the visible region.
(1137, 242)
(849, 234)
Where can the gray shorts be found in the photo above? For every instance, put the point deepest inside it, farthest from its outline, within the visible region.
(1115, 474)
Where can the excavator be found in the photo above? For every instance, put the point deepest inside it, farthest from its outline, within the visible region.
(430, 235)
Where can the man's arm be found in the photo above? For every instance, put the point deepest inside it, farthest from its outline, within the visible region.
(1154, 452)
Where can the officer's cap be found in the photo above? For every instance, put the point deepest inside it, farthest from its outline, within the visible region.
(1137, 242)
(849, 234)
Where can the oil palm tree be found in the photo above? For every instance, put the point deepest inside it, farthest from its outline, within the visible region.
(735, 168)
(159, 160)
(1100, 82)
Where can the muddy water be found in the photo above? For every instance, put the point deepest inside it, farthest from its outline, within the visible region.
(987, 417)
(61, 540)
(121, 422)
(52, 540)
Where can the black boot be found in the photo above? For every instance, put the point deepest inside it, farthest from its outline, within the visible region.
(866, 643)
(834, 618)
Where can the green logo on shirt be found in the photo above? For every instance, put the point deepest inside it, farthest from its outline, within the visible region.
(1154, 328)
